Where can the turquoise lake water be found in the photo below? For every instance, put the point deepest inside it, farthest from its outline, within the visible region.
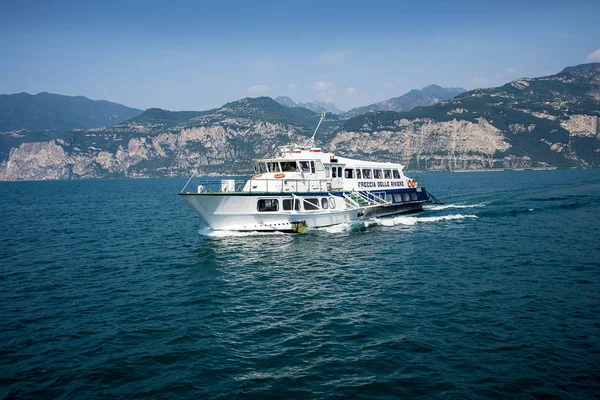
(116, 288)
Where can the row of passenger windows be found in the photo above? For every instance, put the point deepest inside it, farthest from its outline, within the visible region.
(307, 204)
(368, 173)
(288, 166)
(336, 171)
(316, 203)
(365, 173)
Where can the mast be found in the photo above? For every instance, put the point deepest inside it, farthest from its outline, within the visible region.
(310, 142)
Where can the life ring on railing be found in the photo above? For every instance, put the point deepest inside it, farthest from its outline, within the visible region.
(279, 176)
(411, 183)
(256, 176)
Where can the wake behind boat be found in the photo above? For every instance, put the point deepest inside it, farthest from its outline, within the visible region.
(303, 187)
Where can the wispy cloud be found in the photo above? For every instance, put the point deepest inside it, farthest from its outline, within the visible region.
(325, 90)
(388, 85)
(510, 70)
(333, 57)
(350, 92)
(293, 85)
(258, 89)
(594, 56)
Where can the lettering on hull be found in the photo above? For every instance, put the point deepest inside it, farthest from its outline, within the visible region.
(379, 184)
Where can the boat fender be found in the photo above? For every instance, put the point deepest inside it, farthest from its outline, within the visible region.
(362, 213)
(279, 176)
(256, 176)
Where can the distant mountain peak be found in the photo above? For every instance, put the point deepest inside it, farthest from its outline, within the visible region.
(316, 106)
(429, 95)
(286, 101)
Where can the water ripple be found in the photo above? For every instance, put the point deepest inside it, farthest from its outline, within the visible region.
(495, 294)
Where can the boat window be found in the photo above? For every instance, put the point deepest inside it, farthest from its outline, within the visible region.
(396, 174)
(288, 166)
(340, 171)
(334, 172)
(312, 167)
(267, 205)
(377, 174)
(324, 203)
(349, 173)
(366, 173)
(413, 196)
(287, 204)
(398, 197)
(331, 202)
(304, 166)
(387, 173)
(262, 168)
(319, 165)
(406, 197)
(327, 172)
(311, 204)
(273, 167)
(358, 174)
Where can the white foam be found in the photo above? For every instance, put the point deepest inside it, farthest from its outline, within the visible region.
(339, 228)
(395, 221)
(220, 234)
(411, 221)
(447, 206)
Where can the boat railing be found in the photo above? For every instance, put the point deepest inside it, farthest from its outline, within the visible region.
(350, 202)
(248, 185)
(372, 197)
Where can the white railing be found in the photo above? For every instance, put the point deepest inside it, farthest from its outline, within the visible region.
(204, 185)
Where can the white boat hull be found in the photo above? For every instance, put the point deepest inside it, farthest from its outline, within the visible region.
(239, 213)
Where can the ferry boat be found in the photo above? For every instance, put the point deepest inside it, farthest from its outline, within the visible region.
(303, 187)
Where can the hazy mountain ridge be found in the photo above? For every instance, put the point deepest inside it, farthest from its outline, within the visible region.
(427, 96)
(45, 112)
(531, 122)
(315, 106)
(167, 143)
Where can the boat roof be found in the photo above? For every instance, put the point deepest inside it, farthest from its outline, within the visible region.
(313, 154)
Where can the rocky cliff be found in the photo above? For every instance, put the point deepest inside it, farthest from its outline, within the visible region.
(163, 143)
(539, 122)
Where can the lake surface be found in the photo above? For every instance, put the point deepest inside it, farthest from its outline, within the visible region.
(116, 288)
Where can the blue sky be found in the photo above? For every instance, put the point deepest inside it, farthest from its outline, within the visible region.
(196, 55)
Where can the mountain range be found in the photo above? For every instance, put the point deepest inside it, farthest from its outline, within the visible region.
(316, 106)
(427, 96)
(549, 121)
(48, 112)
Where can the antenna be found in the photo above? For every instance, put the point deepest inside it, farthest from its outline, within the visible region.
(311, 141)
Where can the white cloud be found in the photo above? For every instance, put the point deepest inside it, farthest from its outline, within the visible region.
(258, 89)
(388, 85)
(293, 85)
(333, 57)
(325, 90)
(324, 87)
(594, 56)
(350, 92)
(511, 70)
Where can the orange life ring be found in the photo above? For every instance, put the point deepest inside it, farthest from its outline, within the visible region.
(411, 183)
(279, 176)
(256, 176)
